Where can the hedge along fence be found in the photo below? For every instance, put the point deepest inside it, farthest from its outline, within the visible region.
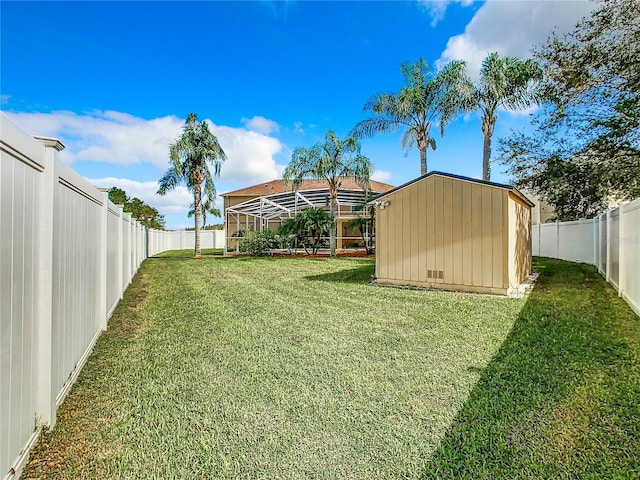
(610, 241)
(67, 254)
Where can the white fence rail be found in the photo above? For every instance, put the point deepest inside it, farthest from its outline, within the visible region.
(610, 241)
(66, 256)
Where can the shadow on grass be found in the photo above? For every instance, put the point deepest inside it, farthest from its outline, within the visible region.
(561, 397)
(360, 274)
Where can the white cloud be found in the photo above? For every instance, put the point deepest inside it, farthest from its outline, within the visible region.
(511, 28)
(381, 176)
(4, 98)
(249, 155)
(111, 137)
(122, 139)
(261, 125)
(438, 8)
(175, 201)
(297, 127)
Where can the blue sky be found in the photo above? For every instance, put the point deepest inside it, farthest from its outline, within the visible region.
(114, 81)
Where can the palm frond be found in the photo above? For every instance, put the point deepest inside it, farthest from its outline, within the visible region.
(428, 97)
(170, 180)
(191, 158)
(374, 125)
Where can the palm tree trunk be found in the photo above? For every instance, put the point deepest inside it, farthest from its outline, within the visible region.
(488, 122)
(332, 231)
(486, 158)
(197, 212)
(423, 161)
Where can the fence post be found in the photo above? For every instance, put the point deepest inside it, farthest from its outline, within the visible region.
(621, 255)
(45, 401)
(120, 250)
(131, 247)
(125, 255)
(103, 249)
(608, 259)
(557, 239)
(596, 228)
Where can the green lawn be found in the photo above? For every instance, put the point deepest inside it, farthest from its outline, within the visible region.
(296, 368)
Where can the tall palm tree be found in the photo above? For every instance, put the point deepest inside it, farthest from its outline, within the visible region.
(507, 82)
(426, 99)
(191, 158)
(330, 161)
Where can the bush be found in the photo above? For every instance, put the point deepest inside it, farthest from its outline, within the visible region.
(258, 244)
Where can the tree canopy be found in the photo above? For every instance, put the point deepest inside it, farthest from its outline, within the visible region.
(585, 148)
(506, 82)
(145, 214)
(426, 99)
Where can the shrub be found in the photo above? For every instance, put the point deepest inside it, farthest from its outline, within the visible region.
(258, 244)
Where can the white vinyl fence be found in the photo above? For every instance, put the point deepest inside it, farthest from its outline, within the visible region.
(67, 254)
(163, 241)
(610, 241)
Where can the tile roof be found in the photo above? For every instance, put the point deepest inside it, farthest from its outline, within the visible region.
(278, 186)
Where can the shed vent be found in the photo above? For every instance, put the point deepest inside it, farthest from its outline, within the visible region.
(435, 274)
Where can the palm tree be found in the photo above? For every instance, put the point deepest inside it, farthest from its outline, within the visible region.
(291, 231)
(330, 161)
(506, 82)
(191, 157)
(208, 206)
(312, 223)
(426, 99)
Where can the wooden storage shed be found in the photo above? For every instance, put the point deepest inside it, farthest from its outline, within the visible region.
(454, 233)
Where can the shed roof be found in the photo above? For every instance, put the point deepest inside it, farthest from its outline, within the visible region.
(278, 186)
(511, 188)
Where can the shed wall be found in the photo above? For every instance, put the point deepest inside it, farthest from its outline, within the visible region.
(444, 233)
(520, 262)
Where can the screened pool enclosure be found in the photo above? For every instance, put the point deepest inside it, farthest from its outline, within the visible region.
(246, 211)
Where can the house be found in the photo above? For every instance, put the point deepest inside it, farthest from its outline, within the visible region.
(542, 211)
(454, 233)
(266, 205)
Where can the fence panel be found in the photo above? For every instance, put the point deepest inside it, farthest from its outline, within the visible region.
(77, 233)
(614, 251)
(576, 241)
(114, 275)
(568, 240)
(66, 256)
(126, 249)
(545, 240)
(610, 241)
(604, 241)
(630, 258)
(61, 275)
(21, 165)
